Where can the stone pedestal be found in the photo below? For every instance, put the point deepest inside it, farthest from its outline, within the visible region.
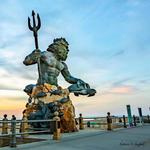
(49, 96)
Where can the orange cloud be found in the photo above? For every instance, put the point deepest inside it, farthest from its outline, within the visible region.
(122, 90)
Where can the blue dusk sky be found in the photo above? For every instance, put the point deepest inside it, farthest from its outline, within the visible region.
(109, 42)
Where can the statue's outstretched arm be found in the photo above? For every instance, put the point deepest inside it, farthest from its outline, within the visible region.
(66, 74)
(78, 87)
(32, 58)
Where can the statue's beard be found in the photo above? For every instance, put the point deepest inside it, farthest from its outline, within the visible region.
(63, 57)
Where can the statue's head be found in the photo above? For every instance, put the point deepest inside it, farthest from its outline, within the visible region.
(60, 48)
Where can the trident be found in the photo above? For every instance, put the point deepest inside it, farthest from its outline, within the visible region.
(35, 29)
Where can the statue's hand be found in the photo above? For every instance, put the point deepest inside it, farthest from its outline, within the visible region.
(37, 53)
(32, 58)
(81, 88)
(80, 85)
(83, 84)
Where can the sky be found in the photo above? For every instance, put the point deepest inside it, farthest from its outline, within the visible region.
(109, 49)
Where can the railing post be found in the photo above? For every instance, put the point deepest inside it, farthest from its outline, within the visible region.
(109, 122)
(81, 125)
(134, 120)
(13, 131)
(5, 125)
(124, 121)
(56, 133)
(24, 126)
(120, 120)
(148, 120)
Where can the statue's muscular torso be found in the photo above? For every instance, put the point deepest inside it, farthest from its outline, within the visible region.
(50, 67)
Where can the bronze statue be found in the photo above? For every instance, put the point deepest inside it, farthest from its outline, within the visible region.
(50, 64)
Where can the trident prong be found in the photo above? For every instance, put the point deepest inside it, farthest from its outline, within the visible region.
(35, 27)
(39, 22)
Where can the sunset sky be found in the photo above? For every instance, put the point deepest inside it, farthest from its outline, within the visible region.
(109, 49)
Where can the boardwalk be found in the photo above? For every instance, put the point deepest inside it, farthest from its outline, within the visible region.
(121, 139)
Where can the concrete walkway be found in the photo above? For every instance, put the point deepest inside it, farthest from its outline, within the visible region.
(122, 139)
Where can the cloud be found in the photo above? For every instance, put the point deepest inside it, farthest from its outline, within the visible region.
(122, 81)
(121, 52)
(145, 81)
(123, 90)
(12, 94)
(14, 80)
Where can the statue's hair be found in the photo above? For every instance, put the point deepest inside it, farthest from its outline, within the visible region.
(57, 41)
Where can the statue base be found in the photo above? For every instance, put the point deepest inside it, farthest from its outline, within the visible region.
(44, 101)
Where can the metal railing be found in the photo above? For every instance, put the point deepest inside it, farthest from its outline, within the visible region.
(13, 128)
(83, 122)
(117, 122)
